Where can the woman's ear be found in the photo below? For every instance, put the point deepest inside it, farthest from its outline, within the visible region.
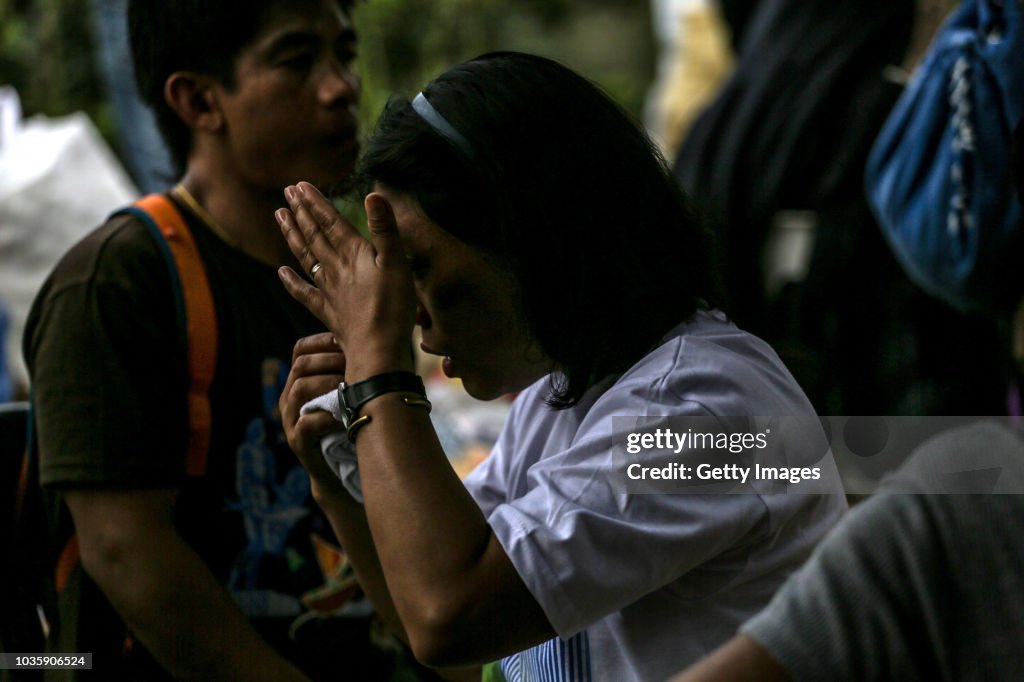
(194, 99)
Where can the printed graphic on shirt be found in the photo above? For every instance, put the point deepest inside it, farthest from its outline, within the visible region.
(340, 585)
(271, 506)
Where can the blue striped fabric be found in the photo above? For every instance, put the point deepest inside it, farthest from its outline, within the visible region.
(556, 660)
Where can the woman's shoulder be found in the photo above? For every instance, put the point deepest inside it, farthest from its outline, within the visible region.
(710, 361)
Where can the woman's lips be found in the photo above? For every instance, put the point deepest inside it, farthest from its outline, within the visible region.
(447, 366)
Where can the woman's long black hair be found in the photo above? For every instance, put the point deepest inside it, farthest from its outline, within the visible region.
(555, 182)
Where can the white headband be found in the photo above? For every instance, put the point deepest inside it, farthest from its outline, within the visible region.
(436, 121)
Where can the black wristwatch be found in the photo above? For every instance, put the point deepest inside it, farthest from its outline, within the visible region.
(351, 397)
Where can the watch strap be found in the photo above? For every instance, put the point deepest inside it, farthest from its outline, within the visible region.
(353, 396)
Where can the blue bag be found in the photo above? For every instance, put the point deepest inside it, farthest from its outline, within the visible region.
(939, 178)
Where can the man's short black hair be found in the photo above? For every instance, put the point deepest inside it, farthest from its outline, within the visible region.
(559, 185)
(202, 36)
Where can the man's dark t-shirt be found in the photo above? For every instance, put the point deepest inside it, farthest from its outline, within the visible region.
(109, 376)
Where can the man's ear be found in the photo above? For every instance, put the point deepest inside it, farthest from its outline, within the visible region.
(193, 97)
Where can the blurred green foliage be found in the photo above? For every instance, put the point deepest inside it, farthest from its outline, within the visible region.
(46, 47)
(46, 53)
(405, 43)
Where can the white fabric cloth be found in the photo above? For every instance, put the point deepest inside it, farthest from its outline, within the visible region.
(639, 586)
(339, 452)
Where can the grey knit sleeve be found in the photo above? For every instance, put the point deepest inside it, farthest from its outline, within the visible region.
(914, 586)
(858, 608)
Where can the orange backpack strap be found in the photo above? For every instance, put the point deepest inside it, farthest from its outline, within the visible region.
(197, 325)
(197, 316)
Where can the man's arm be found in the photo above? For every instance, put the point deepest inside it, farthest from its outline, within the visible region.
(738, 660)
(163, 590)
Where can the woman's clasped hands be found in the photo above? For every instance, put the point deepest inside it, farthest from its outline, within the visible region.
(363, 289)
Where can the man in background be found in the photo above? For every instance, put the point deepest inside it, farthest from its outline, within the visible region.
(200, 577)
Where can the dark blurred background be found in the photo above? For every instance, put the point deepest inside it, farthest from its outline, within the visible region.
(47, 48)
(766, 109)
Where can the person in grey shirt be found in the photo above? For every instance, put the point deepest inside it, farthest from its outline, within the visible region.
(920, 581)
(915, 584)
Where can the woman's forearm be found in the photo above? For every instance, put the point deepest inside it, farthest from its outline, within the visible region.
(458, 595)
(348, 519)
